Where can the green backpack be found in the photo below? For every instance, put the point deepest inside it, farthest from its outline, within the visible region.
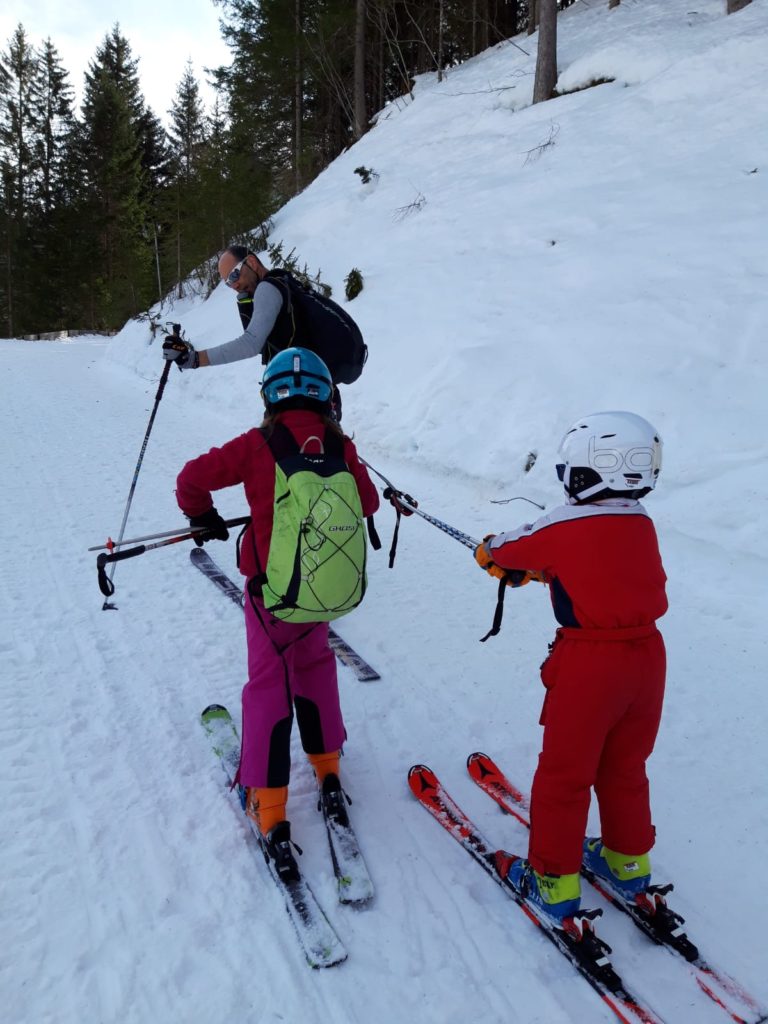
(316, 566)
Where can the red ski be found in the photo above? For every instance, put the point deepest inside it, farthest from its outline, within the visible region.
(576, 939)
(650, 913)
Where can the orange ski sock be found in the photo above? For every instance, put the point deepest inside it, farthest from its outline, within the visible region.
(266, 806)
(324, 764)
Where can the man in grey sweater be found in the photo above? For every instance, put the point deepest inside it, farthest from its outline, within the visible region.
(277, 311)
(243, 271)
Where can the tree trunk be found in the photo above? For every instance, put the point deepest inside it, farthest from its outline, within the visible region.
(380, 73)
(359, 85)
(298, 100)
(440, 24)
(546, 58)
(9, 281)
(736, 5)
(533, 11)
(179, 288)
(157, 268)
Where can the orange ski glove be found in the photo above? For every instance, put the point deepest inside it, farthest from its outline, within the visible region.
(513, 577)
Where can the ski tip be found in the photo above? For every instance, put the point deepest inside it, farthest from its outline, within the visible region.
(357, 897)
(477, 756)
(421, 779)
(214, 711)
(330, 959)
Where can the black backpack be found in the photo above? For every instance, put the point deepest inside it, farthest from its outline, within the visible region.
(310, 320)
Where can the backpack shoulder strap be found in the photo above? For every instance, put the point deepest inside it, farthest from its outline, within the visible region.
(280, 441)
(282, 280)
(333, 443)
(245, 308)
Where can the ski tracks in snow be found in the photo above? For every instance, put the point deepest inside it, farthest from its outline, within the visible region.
(97, 847)
(132, 891)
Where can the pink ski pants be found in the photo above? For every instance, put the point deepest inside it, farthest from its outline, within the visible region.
(290, 667)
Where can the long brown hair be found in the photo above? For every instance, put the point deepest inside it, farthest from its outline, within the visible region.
(270, 418)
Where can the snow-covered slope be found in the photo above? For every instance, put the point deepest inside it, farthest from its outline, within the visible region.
(624, 265)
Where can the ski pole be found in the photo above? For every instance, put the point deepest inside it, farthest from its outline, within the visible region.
(409, 503)
(110, 544)
(161, 388)
(107, 587)
(513, 578)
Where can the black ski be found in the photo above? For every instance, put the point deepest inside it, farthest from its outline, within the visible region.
(346, 654)
(355, 886)
(321, 945)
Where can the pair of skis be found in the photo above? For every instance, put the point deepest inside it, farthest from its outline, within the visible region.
(317, 937)
(346, 654)
(576, 938)
(319, 942)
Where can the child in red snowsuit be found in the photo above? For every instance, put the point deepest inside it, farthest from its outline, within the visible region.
(605, 673)
(290, 665)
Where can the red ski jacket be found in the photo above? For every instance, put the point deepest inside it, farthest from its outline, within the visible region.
(601, 562)
(247, 460)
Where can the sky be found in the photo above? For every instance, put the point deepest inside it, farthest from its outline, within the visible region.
(163, 36)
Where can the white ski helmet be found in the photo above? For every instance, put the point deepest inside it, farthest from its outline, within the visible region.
(609, 454)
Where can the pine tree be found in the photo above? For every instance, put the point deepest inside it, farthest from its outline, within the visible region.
(115, 144)
(52, 192)
(19, 124)
(187, 131)
(231, 200)
(187, 137)
(56, 125)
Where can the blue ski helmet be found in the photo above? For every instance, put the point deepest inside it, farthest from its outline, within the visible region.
(296, 372)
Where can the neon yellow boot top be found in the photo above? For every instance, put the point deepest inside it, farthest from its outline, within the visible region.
(628, 873)
(558, 888)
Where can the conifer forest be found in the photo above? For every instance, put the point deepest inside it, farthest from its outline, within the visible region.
(106, 208)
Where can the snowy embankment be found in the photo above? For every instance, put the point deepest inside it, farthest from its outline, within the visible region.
(626, 266)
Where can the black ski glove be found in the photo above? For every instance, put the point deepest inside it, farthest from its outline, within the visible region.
(215, 527)
(178, 351)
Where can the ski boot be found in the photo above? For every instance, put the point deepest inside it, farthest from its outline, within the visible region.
(558, 896)
(626, 875)
(332, 801)
(276, 845)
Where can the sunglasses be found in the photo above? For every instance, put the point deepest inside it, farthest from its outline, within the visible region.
(234, 275)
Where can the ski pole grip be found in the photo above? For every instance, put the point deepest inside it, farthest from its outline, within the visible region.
(163, 381)
(118, 556)
(106, 586)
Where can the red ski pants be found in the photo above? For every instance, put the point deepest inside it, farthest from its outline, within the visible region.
(601, 715)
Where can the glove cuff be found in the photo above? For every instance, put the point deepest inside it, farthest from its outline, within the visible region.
(483, 555)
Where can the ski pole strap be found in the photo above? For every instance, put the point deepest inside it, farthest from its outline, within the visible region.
(372, 534)
(399, 498)
(497, 615)
(106, 586)
(395, 533)
(239, 541)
